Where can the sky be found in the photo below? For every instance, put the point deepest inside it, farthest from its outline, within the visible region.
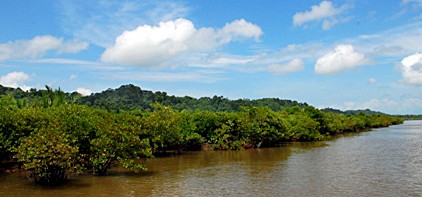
(343, 54)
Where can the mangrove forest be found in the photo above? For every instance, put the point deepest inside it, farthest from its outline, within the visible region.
(52, 136)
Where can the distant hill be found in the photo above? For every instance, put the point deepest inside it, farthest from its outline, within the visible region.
(411, 117)
(352, 112)
(131, 97)
(5, 90)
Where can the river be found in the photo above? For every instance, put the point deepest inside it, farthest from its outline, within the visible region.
(382, 162)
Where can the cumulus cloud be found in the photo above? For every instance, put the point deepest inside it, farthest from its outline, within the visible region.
(325, 12)
(342, 58)
(412, 69)
(101, 22)
(149, 46)
(83, 91)
(239, 29)
(38, 46)
(15, 80)
(292, 66)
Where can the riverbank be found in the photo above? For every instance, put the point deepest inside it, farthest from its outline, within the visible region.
(382, 162)
(59, 142)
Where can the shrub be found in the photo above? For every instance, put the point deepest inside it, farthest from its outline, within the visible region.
(118, 140)
(49, 156)
(169, 129)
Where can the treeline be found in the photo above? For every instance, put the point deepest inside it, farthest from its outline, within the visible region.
(352, 112)
(130, 97)
(52, 139)
(411, 117)
(40, 98)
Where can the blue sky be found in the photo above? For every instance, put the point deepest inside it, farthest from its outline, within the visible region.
(345, 54)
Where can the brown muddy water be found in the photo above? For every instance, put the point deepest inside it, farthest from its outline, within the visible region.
(382, 162)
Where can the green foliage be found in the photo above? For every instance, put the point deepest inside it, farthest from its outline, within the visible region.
(8, 102)
(227, 137)
(8, 108)
(101, 138)
(169, 129)
(130, 97)
(304, 128)
(49, 156)
(17, 123)
(411, 117)
(261, 125)
(54, 140)
(206, 122)
(190, 138)
(81, 122)
(118, 140)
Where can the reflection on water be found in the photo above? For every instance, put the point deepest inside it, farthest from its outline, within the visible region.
(383, 162)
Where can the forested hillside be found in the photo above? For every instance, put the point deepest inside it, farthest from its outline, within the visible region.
(130, 97)
(352, 112)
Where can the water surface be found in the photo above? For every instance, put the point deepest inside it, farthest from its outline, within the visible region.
(382, 162)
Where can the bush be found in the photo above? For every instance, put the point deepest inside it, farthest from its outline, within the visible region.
(169, 129)
(49, 156)
(304, 128)
(118, 140)
(262, 126)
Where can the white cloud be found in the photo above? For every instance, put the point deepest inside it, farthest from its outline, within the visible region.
(72, 46)
(15, 80)
(64, 61)
(325, 12)
(412, 69)
(343, 57)
(412, 1)
(101, 22)
(385, 47)
(239, 29)
(372, 80)
(73, 76)
(216, 60)
(83, 91)
(292, 66)
(38, 46)
(82, 64)
(196, 76)
(226, 61)
(165, 11)
(149, 46)
(328, 24)
(396, 42)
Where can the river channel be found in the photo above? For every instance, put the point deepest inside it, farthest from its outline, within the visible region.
(381, 162)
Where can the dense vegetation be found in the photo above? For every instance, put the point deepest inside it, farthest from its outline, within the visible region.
(130, 97)
(352, 112)
(411, 117)
(52, 137)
